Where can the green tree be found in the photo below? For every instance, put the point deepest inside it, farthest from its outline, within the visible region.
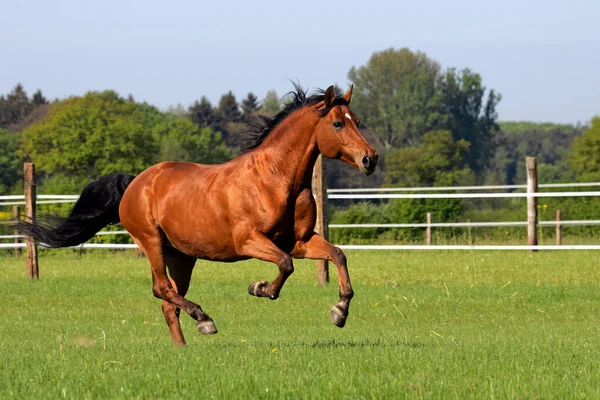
(38, 98)
(438, 160)
(550, 143)
(228, 109)
(250, 107)
(182, 140)
(14, 106)
(584, 159)
(395, 95)
(11, 169)
(471, 116)
(203, 114)
(271, 104)
(97, 134)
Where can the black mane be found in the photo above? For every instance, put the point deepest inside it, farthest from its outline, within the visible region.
(260, 128)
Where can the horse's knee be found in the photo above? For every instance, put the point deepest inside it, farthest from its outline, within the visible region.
(161, 290)
(156, 292)
(338, 256)
(286, 266)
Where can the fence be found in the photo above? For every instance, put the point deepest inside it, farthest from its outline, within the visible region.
(30, 200)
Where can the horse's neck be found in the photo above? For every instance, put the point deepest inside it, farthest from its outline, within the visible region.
(291, 149)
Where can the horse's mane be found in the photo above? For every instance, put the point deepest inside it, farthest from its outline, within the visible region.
(262, 126)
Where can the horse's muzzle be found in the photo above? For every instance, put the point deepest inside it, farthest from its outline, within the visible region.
(368, 164)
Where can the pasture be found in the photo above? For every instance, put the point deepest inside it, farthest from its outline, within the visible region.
(422, 325)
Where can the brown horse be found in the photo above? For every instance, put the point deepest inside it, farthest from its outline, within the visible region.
(258, 205)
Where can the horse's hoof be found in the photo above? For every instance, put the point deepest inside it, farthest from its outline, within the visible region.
(255, 288)
(338, 317)
(206, 327)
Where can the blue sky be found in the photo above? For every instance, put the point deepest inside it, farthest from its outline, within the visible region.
(542, 56)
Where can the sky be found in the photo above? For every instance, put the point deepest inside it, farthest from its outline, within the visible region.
(543, 56)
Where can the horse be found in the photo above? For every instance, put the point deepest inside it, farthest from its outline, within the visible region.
(257, 205)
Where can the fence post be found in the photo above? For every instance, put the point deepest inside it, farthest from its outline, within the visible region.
(428, 230)
(319, 188)
(558, 228)
(16, 217)
(532, 202)
(30, 197)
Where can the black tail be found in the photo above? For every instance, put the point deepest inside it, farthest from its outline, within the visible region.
(97, 207)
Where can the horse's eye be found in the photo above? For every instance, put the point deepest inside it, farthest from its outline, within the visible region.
(338, 124)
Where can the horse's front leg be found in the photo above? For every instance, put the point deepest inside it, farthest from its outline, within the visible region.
(317, 248)
(257, 245)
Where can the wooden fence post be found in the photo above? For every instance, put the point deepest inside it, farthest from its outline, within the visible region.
(428, 230)
(319, 188)
(532, 202)
(558, 228)
(30, 197)
(16, 217)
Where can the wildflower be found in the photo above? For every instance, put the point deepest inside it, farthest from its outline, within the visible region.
(274, 350)
(244, 340)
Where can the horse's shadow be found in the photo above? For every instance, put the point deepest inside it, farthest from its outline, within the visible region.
(340, 344)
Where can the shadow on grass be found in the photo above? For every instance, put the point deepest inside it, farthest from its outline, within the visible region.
(334, 344)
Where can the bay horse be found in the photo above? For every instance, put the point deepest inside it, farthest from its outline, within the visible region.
(258, 205)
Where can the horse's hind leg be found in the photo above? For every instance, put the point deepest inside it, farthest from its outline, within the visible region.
(180, 268)
(153, 245)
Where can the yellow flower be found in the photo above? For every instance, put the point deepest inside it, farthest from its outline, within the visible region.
(244, 340)
(274, 350)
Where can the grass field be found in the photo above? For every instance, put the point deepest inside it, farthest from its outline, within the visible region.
(422, 325)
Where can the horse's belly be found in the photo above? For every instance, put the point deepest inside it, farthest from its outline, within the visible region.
(205, 247)
(209, 241)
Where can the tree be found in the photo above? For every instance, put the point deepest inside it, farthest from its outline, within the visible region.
(203, 114)
(584, 159)
(97, 134)
(11, 169)
(471, 116)
(400, 95)
(14, 106)
(438, 160)
(228, 109)
(250, 107)
(271, 104)
(182, 140)
(395, 95)
(38, 98)
(550, 143)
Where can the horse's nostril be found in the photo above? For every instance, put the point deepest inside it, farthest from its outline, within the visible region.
(366, 162)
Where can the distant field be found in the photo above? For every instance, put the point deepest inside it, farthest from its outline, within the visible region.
(422, 324)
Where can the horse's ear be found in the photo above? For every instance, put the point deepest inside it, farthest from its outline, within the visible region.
(329, 97)
(348, 94)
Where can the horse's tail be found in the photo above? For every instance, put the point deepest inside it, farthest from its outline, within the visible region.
(97, 207)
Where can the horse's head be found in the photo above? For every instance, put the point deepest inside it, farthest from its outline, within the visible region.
(338, 135)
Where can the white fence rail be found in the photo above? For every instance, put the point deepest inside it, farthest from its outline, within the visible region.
(461, 188)
(356, 247)
(375, 193)
(461, 195)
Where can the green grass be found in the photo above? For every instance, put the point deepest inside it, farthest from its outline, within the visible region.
(422, 325)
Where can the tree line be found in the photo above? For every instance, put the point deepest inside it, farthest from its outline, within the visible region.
(431, 125)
